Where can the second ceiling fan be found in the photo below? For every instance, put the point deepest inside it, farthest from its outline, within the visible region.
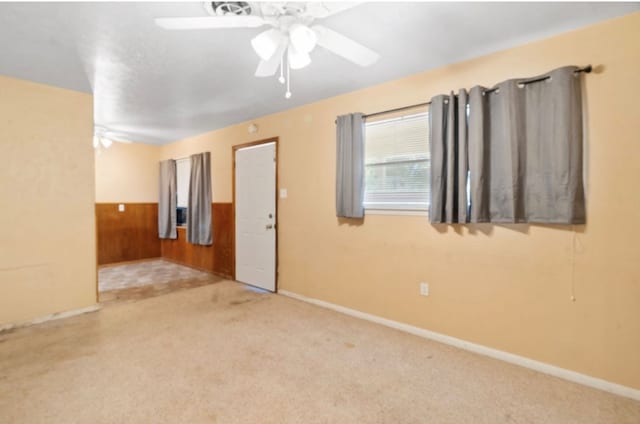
(291, 38)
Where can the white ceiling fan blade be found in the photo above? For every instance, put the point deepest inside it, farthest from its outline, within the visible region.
(117, 137)
(345, 47)
(321, 10)
(208, 22)
(267, 68)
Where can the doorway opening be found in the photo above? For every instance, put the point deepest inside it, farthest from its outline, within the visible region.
(133, 262)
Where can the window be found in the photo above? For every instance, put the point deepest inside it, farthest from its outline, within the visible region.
(397, 164)
(183, 176)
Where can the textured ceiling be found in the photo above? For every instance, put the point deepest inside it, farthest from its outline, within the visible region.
(157, 86)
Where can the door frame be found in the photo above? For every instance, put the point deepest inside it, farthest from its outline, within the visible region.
(234, 149)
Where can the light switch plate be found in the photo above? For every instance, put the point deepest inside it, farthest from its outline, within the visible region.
(283, 193)
(121, 207)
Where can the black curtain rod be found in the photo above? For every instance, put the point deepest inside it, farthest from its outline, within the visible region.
(587, 69)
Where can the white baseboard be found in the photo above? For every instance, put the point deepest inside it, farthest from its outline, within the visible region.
(50, 317)
(542, 367)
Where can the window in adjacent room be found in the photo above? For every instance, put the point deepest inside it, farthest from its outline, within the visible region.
(183, 176)
(397, 164)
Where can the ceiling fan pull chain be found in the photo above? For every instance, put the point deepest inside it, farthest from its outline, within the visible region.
(281, 79)
(287, 95)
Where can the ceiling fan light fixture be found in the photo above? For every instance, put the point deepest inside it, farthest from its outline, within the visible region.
(100, 141)
(106, 143)
(303, 38)
(297, 59)
(266, 43)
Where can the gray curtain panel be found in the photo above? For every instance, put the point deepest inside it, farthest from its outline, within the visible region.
(350, 166)
(479, 155)
(199, 207)
(167, 200)
(524, 152)
(449, 158)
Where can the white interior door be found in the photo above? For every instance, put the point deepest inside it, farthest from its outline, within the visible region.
(255, 197)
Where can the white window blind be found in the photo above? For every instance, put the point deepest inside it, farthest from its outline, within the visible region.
(397, 165)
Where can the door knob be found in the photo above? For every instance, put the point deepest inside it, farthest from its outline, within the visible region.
(269, 226)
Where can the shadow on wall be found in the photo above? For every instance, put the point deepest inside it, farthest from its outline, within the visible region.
(351, 222)
(487, 229)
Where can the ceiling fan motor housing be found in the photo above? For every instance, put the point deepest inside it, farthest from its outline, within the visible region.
(220, 8)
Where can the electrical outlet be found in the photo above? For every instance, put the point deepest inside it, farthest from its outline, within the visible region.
(121, 207)
(424, 289)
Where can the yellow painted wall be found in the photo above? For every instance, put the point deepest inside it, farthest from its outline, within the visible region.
(47, 241)
(127, 173)
(504, 286)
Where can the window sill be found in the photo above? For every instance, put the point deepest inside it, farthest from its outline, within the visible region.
(397, 212)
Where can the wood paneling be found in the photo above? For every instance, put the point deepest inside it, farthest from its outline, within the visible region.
(217, 258)
(128, 235)
(182, 252)
(223, 238)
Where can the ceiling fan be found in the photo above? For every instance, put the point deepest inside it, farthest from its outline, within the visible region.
(291, 38)
(103, 138)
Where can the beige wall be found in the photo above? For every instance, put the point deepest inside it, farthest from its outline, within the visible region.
(504, 286)
(47, 242)
(127, 173)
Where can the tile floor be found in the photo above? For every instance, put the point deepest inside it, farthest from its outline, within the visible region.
(140, 280)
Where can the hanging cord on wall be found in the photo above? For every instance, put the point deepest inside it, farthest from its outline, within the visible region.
(576, 247)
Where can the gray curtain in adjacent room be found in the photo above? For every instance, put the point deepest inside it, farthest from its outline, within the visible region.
(350, 166)
(524, 152)
(199, 207)
(167, 200)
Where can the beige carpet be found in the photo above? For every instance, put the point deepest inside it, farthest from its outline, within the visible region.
(224, 354)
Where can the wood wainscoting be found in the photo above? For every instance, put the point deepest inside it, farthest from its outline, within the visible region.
(217, 258)
(129, 235)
